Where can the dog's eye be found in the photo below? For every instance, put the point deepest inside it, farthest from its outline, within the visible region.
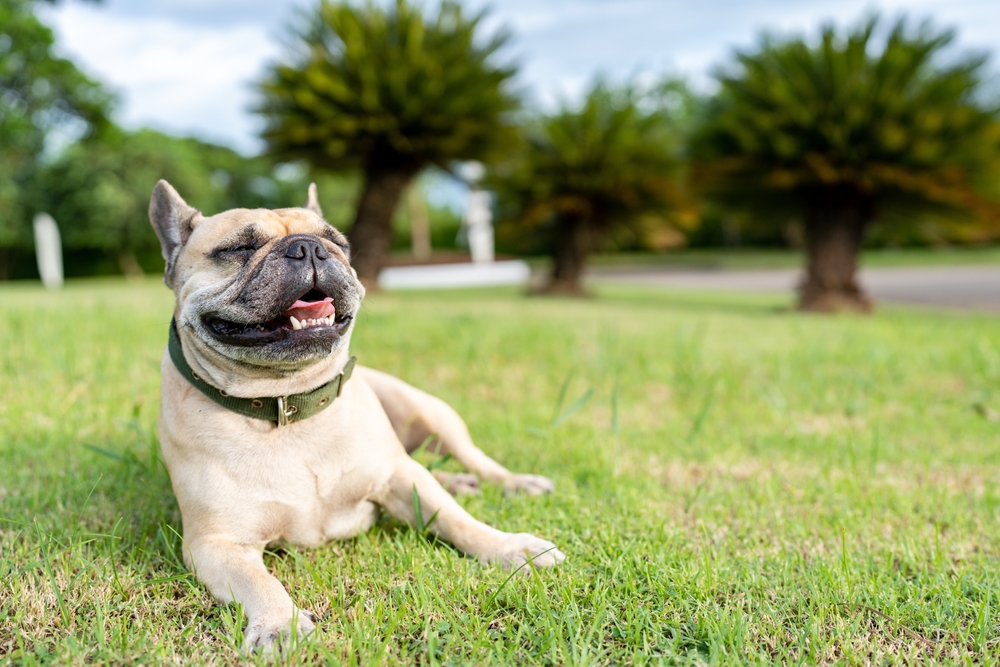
(234, 251)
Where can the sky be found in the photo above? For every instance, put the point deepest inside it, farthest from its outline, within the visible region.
(189, 66)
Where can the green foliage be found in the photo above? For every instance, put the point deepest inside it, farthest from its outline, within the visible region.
(39, 93)
(902, 125)
(98, 190)
(613, 162)
(391, 89)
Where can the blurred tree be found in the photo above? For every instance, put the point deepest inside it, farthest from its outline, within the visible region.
(40, 95)
(612, 163)
(98, 190)
(389, 92)
(845, 132)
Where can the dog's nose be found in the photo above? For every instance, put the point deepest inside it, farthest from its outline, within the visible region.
(306, 249)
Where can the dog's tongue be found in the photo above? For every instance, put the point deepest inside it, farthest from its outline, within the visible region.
(305, 310)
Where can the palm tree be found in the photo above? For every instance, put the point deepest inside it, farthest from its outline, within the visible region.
(584, 172)
(845, 133)
(389, 92)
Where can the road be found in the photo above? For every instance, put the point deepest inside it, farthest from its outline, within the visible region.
(966, 287)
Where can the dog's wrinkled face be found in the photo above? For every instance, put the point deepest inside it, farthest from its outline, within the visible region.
(271, 289)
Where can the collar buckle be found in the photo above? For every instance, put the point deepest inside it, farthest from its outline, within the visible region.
(285, 411)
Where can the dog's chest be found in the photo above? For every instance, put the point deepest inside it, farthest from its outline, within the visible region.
(330, 501)
(316, 495)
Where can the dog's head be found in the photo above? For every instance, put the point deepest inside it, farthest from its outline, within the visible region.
(261, 288)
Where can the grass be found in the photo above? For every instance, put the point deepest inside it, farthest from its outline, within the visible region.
(736, 483)
(741, 259)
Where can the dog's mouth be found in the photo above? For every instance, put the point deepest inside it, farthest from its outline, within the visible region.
(311, 315)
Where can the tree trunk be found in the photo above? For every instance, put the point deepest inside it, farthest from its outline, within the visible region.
(371, 235)
(572, 245)
(834, 229)
(130, 265)
(420, 227)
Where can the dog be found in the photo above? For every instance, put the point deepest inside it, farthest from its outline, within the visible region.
(269, 432)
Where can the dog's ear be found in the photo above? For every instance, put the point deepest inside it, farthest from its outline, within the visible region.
(312, 203)
(173, 220)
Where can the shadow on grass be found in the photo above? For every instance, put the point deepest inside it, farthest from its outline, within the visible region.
(115, 502)
(121, 495)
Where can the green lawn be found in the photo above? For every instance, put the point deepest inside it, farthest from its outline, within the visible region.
(743, 484)
(750, 258)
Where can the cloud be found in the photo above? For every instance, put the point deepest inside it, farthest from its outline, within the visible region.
(179, 77)
(188, 65)
(571, 39)
(210, 13)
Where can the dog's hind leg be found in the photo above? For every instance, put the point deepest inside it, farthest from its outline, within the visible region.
(417, 416)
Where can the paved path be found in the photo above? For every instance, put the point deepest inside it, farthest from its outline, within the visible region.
(971, 287)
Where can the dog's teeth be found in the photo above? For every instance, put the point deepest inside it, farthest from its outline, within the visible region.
(295, 323)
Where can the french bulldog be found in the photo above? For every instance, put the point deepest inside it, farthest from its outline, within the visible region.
(266, 302)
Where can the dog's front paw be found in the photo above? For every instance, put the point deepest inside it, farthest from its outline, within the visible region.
(519, 548)
(274, 635)
(458, 483)
(531, 485)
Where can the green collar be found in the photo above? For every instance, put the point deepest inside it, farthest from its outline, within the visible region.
(281, 409)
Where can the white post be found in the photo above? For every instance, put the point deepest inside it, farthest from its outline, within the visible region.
(478, 218)
(48, 251)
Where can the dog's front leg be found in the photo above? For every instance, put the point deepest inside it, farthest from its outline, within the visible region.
(444, 517)
(236, 573)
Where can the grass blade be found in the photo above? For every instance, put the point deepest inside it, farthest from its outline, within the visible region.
(110, 455)
(572, 410)
(699, 420)
(530, 561)
(43, 545)
(562, 393)
(615, 425)
(434, 465)
(417, 511)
